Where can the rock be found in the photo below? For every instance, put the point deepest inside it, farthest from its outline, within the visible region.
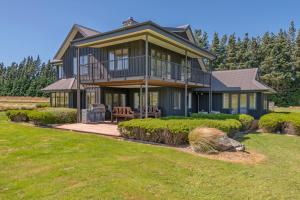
(225, 143)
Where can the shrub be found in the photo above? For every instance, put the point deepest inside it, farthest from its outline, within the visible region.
(205, 139)
(172, 131)
(280, 122)
(246, 120)
(17, 115)
(42, 105)
(52, 116)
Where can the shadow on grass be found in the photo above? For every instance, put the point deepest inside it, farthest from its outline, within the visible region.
(244, 137)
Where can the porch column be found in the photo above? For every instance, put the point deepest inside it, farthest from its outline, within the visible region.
(146, 77)
(141, 99)
(78, 86)
(185, 86)
(198, 101)
(210, 92)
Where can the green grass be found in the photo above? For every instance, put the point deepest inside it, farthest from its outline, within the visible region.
(41, 163)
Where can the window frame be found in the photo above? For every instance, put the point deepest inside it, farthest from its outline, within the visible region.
(251, 107)
(177, 100)
(223, 101)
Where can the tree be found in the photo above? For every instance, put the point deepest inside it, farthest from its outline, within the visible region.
(202, 38)
(231, 59)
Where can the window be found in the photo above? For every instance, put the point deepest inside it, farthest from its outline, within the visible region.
(177, 100)
(59, 99)
(60, 72)
(252, 101)
(225, 101)
(90, 98)
(243, 103)
(74, 66)
(118, 59)
(190, 100)
(108, 100)
(83, 65)
(53, 104)
(265, 103)
(123, 99)
(116, 100)
(234, 103)
(160, 63)
(136, 100)
(153, 98)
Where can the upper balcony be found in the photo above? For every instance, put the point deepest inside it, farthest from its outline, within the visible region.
(132, 71)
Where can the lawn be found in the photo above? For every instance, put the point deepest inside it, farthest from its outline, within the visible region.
(41, 163)
(12, 102)
(287, 109)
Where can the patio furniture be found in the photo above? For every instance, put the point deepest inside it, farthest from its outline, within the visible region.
(153, 111)
(95, 114)
(122, 112)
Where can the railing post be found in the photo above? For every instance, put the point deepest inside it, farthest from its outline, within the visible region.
(146, 78)
(185, 88)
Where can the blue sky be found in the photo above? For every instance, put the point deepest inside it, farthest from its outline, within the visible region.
(38, 27)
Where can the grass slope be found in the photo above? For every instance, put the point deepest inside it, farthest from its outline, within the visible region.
(40, 163)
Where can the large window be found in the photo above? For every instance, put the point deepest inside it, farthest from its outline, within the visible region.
(60, 71)
(118, 59)
(265, 103)
(190, 100)
(60, 99)
(160, 63)
(153, 98)
(108, 100)
(235, 103)
(83, 65)
(225, 100)
(243, 103)
(90, 98)
(177, 100)
(252, 101)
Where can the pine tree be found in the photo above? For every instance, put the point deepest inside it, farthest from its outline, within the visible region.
(231, 60)
(202, 38)
(215, 48)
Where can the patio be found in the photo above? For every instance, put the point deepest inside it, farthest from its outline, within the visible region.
(107, 129)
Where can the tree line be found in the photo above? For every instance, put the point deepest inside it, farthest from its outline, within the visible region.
(277, 55)
(26, 78)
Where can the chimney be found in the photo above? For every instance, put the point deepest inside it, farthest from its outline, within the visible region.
(130, 21)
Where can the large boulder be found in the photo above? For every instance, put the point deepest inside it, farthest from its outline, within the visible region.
(227, 144)
(209, 140)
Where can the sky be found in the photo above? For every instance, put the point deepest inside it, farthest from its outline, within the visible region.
(38, 27)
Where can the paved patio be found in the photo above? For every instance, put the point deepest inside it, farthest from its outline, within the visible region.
(102, 129)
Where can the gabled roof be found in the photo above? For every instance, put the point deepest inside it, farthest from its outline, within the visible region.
(237, 80)
(76, 28)
(62, 84)
(139, 27)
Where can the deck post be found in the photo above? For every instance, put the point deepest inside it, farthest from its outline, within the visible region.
(78, 86)
(210, 92)
(146, 77)
(185, 86)
(141, 99)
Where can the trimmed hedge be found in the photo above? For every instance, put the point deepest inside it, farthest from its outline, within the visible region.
(44, 116)
(18, 115)
(246, 120)
(172, 131)
(280, 122)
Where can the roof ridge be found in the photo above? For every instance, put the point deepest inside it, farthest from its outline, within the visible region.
(235, 69)
(91, 29)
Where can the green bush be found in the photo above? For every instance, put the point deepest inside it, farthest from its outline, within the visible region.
(172, 131)
(205, 139)
(42, 105)
(18, 115)
(44, 116)
(280, 122)
(246, 120)
(52, 116)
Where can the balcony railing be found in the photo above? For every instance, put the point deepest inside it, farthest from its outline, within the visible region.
(134, 67)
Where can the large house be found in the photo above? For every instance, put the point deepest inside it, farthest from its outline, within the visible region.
(143, 65)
